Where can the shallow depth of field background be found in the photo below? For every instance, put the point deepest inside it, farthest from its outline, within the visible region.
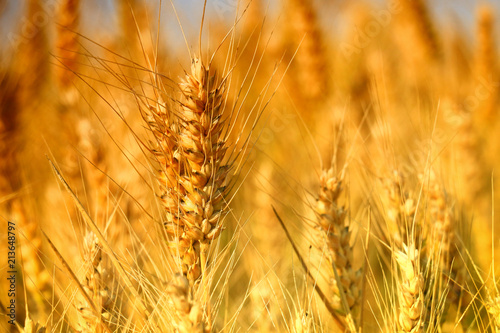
(391, 97)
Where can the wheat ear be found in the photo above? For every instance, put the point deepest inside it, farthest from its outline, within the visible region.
(311, 58)
(399, 207)
(335, 231)
(34, 56)
(417, 12)
(487, 64)
(191, 150)
(95, 283)
(411, 290)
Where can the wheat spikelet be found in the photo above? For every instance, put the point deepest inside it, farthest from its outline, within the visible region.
(67, 46)
(335, 231)
(412, 309)
(188, 315)
(95, 283)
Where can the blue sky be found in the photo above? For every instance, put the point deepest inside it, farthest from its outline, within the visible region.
(97, 18)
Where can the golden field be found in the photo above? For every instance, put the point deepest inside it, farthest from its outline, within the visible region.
(228, 166)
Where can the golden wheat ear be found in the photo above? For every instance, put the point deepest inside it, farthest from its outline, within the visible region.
(97, 285)
(334, 228)
(93, 308)
(332, 309)
(412, 307)
(194, 174)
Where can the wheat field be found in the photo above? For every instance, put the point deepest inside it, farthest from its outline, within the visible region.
(249, 166)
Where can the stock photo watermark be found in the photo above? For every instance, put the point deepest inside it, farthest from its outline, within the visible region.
(225, 7)
(380, 19)
(31, 26)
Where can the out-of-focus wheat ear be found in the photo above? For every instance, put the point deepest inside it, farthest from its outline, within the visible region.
(399, 208)
(426, 40)
(310, 60)
(412, 307)
(34, 56)
(96, 283)
(96, 311)
(267, 238)
(135, 30)
(486, 65)
(31, 327)
(92, 147)
(188, 314)
(67, 49)
(442, 231)
(335, 231)
(468, 156)
(443, 245)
